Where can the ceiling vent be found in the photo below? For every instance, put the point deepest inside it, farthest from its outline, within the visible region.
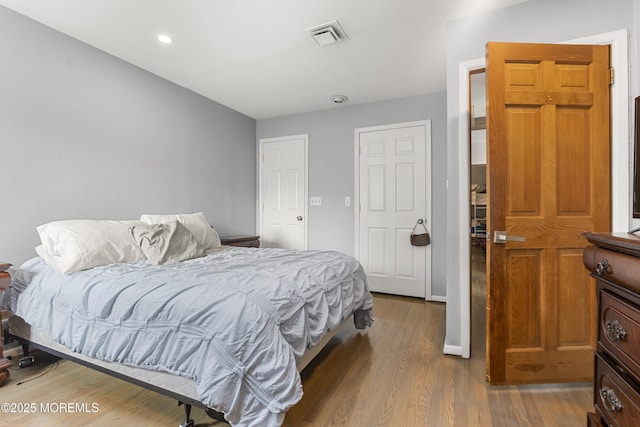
(328, 33)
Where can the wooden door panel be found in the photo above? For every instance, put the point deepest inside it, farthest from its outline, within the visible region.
(572, 77)
(523, 152)
(572, 161)
(549, 181)
(524, 298)
(573, 294)
(518, 76)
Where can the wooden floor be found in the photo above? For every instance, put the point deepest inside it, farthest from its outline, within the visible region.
(394, 374)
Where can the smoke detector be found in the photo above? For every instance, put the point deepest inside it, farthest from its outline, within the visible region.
(339, 99)
(328, 33)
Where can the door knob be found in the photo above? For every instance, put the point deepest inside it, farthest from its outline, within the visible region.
(299, 218)
(501, 237)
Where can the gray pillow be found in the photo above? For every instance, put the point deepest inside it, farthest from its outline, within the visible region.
(166, 243)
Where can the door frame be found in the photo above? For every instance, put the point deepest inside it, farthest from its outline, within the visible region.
(428, 187)
(261, 143)
(620, 166)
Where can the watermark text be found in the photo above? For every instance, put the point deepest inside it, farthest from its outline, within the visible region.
(49, 407)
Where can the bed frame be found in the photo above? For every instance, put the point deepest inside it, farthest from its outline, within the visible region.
(33, 337)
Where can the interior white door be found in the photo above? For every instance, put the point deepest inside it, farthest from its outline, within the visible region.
(394, 175)
(283, 192)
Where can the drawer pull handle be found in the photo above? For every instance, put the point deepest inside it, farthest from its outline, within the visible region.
(602, 267)
(610, 399)
(614, 330)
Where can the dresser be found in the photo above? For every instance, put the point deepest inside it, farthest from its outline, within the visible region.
(614, 261)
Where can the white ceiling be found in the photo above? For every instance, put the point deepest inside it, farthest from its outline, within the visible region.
(254, 55)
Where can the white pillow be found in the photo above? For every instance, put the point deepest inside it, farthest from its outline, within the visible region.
(166, 243)
(196, 223)
(79, 244)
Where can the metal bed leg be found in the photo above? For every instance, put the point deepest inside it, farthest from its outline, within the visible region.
(188, 422)
(26, 360)
(25, 347)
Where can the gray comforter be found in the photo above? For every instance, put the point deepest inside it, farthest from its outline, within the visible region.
(234, 321)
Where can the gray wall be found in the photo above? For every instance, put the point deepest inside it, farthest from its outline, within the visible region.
(86, 135)
(545, 21)
(331, 166)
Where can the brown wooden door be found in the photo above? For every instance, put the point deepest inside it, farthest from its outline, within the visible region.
(548, 165)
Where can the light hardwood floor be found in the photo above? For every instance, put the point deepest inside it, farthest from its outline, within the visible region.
(394, 374)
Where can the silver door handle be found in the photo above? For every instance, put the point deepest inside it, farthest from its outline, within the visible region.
(299, 218)
(501, 237)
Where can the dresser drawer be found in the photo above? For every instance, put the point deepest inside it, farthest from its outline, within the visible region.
(616, 267)
(593, 420)
(597, 419)
(617, 400)
(619, 330)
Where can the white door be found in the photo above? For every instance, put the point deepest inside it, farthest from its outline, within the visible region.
(394, 191)
(283, 192)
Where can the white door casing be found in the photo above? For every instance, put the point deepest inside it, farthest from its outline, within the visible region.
(393, 190)
(283, 208)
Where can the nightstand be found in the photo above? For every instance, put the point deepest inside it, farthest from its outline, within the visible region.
(5, 281)
(245, 241)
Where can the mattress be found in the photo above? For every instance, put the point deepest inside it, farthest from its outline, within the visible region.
(235, 323)
(155, 380)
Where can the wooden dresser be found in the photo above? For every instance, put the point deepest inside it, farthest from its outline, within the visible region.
(614, 261)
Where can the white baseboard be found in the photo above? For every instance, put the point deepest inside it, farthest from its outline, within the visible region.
(454, 350)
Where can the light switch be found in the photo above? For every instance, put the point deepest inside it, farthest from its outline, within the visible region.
(347, 201)
(316, 201)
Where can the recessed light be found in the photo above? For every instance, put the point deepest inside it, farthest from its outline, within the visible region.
(163, 38)
(339, 99)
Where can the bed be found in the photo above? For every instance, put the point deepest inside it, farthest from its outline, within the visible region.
(223, 328)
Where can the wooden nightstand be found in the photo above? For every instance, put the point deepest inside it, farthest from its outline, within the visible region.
(5, 281)
(245, 241)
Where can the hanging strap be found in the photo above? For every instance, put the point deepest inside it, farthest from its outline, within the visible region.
(420, 221)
